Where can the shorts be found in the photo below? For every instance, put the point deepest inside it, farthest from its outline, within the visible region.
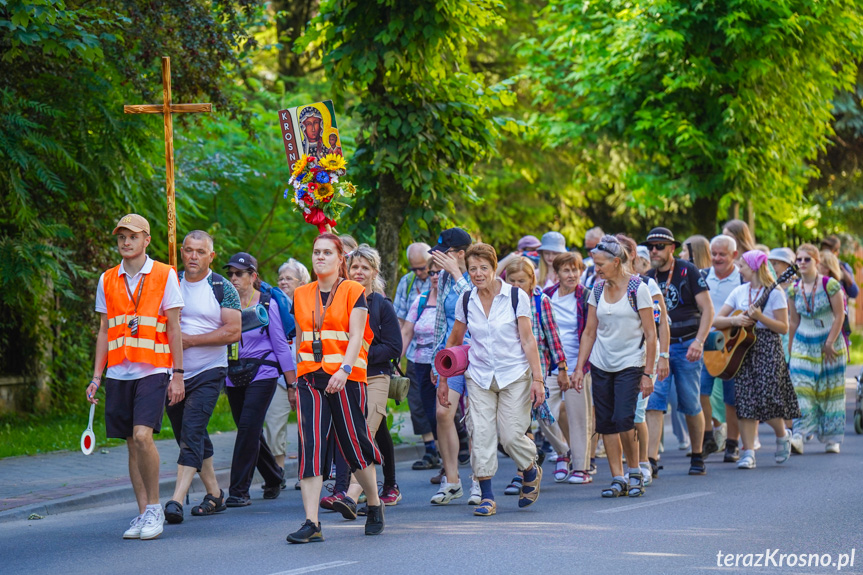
(190, 417)
(131, 402)
(685, 375)
(615, 397)
(457, 384)
(641, 408)
(708, 382)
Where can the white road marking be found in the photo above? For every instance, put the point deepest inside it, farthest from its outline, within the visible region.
(648, 554)
(313, 568)
(653, 502)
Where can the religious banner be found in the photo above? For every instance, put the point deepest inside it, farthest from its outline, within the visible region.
(313, 149)
(310, 130)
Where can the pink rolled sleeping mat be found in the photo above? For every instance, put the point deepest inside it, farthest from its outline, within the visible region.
(452, 361)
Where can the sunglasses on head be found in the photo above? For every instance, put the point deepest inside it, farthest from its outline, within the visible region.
(231, 274)
(804, 260)
(419, 269)
(656, 247)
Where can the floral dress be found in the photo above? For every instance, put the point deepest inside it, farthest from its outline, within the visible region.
(819, 384)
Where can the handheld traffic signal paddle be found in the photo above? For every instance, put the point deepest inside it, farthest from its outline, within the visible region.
(88, 438)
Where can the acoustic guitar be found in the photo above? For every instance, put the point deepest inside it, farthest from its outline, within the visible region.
(725, 362)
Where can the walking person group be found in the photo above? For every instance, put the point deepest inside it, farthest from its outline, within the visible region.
(555, 348)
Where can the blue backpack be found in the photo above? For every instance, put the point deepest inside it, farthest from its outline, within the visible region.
(269, 292)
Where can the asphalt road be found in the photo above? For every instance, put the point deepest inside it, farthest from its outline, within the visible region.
(812, 504)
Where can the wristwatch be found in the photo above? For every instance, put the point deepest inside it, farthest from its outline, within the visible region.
(664, 355)
(347, 369)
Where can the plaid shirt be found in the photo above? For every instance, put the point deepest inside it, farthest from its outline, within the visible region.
(581, 294)
(546, 332)
(446, 285)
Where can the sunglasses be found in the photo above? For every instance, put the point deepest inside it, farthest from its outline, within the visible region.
(656, 247)
(231, 274)
(419, 269)
(434, 272)
(804, 260)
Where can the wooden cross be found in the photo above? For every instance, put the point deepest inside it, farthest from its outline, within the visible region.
(168, 109)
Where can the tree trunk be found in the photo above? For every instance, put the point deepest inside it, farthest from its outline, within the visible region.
(704, 213)
(391, 216)
(750, 216)
(291, 19)
(44, 356)
(734, 210)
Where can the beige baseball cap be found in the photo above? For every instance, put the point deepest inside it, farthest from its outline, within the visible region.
(133, 223)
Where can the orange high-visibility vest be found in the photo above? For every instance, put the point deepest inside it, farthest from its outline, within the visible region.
(334, 331)
(151, 343)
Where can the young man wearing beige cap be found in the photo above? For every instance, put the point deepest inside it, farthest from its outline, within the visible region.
(140, 340)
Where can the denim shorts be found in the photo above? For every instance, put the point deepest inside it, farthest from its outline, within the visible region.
(708, 382)
(457, 384)
(685, 375)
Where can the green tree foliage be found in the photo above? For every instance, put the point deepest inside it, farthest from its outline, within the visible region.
(424, 117)
(71, 162)
(678, 104)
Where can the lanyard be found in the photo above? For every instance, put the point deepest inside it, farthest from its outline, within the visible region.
(668, 281)
(321, 314)
(129, 291)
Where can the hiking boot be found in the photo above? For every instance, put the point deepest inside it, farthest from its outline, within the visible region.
(375, 520)
(347, 507)
(307, 533)
(709, 446)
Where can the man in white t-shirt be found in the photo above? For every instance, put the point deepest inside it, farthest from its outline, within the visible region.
(140, 340)
(211, 321)
(722, 277)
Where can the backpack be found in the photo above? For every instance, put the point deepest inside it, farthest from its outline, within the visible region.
(631, 291)
(421, 306)
(466, 297)
(269, 293)
(218, 285)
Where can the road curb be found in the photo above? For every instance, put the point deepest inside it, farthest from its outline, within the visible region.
(125, 493)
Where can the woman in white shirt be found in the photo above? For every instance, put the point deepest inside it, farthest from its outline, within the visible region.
(621, 345)
(504, 377)
(762, 386)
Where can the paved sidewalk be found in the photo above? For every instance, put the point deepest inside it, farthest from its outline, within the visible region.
(65, 481)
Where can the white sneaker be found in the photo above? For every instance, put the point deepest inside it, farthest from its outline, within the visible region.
(720, 434)
(134, 530)
(747, 459)
(447, 492)
(832, 447)
(645, 471)
(154, 520)
(797, 444)
(475, 492)
(783, 447)
(552, 457)
(684, 445)
(757, 445)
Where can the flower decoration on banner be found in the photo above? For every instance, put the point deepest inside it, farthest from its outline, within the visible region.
(317, 190)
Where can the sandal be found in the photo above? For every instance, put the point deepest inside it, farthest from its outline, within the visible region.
(579, 478)
(486, 508)
(514, 488)
(174, 512)
(210, 505)
(636, 490)
(618, 488)
(530, 489)
(428, 461)
(561, 470)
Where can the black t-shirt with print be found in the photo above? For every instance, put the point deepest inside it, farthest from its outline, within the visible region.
(683, 311)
